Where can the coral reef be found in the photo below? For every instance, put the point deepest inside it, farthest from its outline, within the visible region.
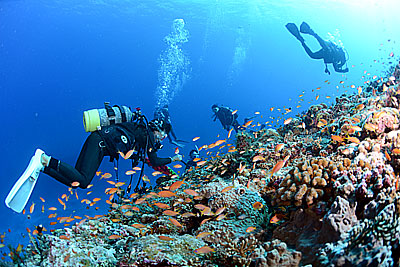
(323, 189)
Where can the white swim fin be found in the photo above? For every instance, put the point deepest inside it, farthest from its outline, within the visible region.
(22, 189)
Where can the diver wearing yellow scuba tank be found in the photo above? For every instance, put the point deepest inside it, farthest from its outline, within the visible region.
(108, 141)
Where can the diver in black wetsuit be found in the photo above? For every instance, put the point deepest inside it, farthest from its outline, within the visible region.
(109, 141)
(162, 114)
(225, 116)
(330, 52)
(193, 154)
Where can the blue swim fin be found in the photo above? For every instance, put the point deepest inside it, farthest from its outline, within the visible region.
(292, 28)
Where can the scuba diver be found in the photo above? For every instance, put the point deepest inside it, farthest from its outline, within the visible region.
(193, 154)
(225, 116)
(133, 138)
(330, 52)
(162, 114)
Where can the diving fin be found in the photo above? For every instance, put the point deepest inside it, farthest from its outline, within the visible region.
(22, 189)
(292, 28)
(305, 28)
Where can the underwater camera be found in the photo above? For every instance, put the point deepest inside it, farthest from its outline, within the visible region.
(94, 119)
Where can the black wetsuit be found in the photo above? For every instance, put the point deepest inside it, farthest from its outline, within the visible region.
(330, 53)
(106, 142)
(162, 114)
(227, 119)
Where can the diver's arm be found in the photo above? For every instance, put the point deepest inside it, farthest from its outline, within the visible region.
(156, 161)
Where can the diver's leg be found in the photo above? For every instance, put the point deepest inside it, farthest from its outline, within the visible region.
(311, 54)
(321, 41)
(86, 166)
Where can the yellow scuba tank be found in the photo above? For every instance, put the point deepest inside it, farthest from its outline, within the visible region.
(94, 119)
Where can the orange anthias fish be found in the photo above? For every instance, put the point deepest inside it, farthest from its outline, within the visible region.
(277, 167)
(276, 218)
(230, 132)
(175, 222)
(250, 229)
(166, 193)
(175, 185)
(353, 140)
(337, 138)
(257, 205)
(247, 124)
(287, 121)
(204, 250)
(195, 139)
(32, 208)
(279, 147)
(191, 192)
(165, 238)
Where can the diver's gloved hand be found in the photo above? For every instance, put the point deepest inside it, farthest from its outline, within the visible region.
(177, 157)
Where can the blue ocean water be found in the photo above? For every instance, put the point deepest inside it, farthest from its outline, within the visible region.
(60, 58)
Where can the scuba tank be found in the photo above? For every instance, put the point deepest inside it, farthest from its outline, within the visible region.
(94, 119)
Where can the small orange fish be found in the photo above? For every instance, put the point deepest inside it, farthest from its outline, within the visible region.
(175, 185)
(75, 184)
(219, 211)
(247, 124)
(201, 163)
(230, 133)
(287, 121)
(337, 138)
(370, 127)
(113, 237)
(161, 205)
(220, 217)
(387, 156)
(257, 205)
(106, 175)
(96, 199)
(136, 168)
(195, 139)
(203, 234)
(250, 229)
(200, 206)
(277, 166)
(140, 201)
(155, 173)
(275, 219)
(353, 140)
(191, 192)
(130, 172)
(177, 166)
(166, 193)
(119, 184)
(175, 222)
(396, 151)
(165, 238)
(31, 209)
(177, 150)
(316, 98)
(258, 158)
(66, 258)
(279, 147)
(188, 214)
(64, 237)
(42, 199)
(170, 212)
(138, 225)
(226, 189)
(204, 250)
